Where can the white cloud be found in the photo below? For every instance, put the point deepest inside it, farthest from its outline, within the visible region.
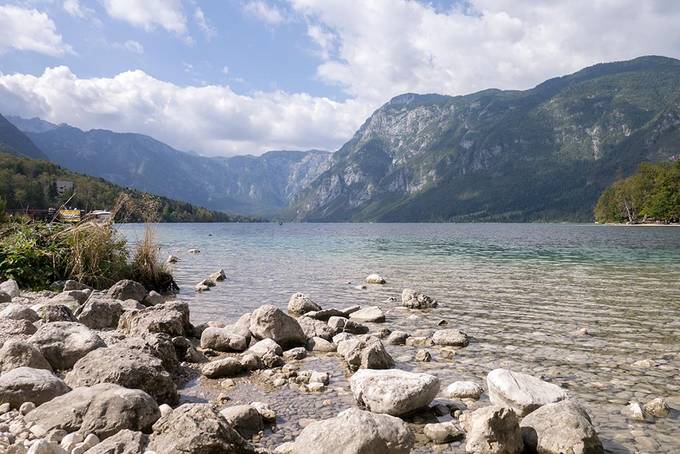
(212, 119)
(206, 27)
(225, 70)
(265, 12)
(149, 14)
(386, 47)
(29, 30)
(133, 46)
(74, 8)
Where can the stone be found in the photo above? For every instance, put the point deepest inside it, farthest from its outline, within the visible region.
(26, 407)
(367, 353)
(326, 314)
(218, 276)
(394, 392)
(5, 298)
(15, 329)
(397, 338)
(423, 356)
(521, 392)
(463, 390)
(25, 384)
(159, 345)
(18, 353)
(340, 324)
(250, 362)
(267, 413)
(296, 353)
(264, 347)
(11, 288)
(128, 290)
(171, 318)
(19, 312)
(444, 432)
(416, 300)
(153, 298)
(124, 442)
(70, 298)
(221, 368)
(451, 338)
(300, 304)
(270, 322)
(99, 312)
(70, 284)
(636, 411)
(196, 429)
(493, 430)
(172, 259)
(103, 410)
(562, 427)
(375, 279)
(133, 369)
(194, 251)
(348, 310)
(657, 408)
(64, 343)
(49, 313)
(245, 419)
(44, 447)
(223, 340)
(318, 344)
(371, 314)
(315, 328)
(355, 431)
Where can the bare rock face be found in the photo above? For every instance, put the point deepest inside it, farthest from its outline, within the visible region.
(17, 353)
(300, 304)
(103, 410)
(223, 340)
(521, 392)
(99, 312)
(133, 369)
(366, 353)
(196, 429)
(493, 430)
(128, 290)
(416, 300)
(355, 431)
(25, 384)
(64, 343)
(269, 322)
(560, 427)
(169, 318)
(394, 392)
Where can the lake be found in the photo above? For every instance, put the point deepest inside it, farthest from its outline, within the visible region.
(523, 292)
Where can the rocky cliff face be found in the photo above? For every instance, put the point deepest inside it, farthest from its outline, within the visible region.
(544, 153)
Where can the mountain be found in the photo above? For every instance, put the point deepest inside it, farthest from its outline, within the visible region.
(34, 124)
(15, 142)
(245, 184)
(540, 154)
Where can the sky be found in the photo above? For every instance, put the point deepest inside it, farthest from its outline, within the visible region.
(228, 77)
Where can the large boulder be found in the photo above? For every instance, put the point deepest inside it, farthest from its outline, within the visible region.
(245, 419)
(64, 343)
(521, 392)
(316, 328)
(223, 340)
(19, 312)
(103, 410)
(171, 318)
(451, 338)
(18, 353)
(15, 329)
(265, 347)
(25, 384)
(355, 431)
(49, 313)
(70, 298)
(126, 367)
(124, 442)
(128, 290)
(493, 430)
(270, 322)
(99, 312)
(196, 429)
(366, 353)
(416, 300)
(221, 368)
(562, 427)
(159, 345)
(368, 314)
(10, 287)
(300, 304)
(395, 392)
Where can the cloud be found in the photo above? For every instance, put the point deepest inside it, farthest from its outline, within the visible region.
(30, 30)
(206, 27)
(265, 12)
(131, 46)
(387, 47)
(149, 14)
(74, 8)
(225, 70)
(211, 119)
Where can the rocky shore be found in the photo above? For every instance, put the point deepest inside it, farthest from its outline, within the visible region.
(84, 371)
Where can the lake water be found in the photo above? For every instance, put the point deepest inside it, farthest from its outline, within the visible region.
(522, 291)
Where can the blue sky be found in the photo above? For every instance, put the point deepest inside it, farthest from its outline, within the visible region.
(224, 77)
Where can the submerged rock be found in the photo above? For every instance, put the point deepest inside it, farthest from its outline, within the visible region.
(451, 338)
(417, 300)
(394, 392)
(493, 430)
(375, 279)
(368, 314)
(269, 322)
(355, 431)
(300, 304)
(657, 407)
(64, 343)
(25, 384)
(562, 427)
(521, 392)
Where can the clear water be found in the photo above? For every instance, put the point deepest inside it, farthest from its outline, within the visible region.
(522, 291)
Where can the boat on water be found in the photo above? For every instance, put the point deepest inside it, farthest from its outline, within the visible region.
(100, 216)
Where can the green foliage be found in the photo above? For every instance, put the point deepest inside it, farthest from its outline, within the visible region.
(651, 194)
(3, 205)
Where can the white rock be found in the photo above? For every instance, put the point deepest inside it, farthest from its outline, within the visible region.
(493, 430)
(394, 392)
(416, 300)
(11, 288)
(657, 408)
(165, 409)
(375, 279)
(300, 303)
(521, 392)
(463, 390)
(368, 314)
(443, 432)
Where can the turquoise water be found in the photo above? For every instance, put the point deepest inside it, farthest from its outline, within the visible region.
(522, 291)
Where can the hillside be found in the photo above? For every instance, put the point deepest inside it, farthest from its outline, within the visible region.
(13, 141)
(543, 154)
